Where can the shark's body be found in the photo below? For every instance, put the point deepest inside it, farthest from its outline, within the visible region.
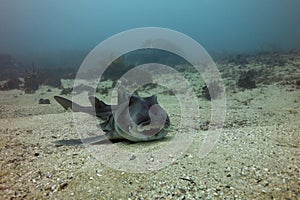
(134, 118)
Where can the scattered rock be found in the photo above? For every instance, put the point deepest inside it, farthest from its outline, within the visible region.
(212, 91)
(101, 90)
(132, 157)
(63, 186)
(44, 101)
(246, 80)
(66, 91)
(36, 154)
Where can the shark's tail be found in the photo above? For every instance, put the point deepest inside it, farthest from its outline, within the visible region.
(67, 104)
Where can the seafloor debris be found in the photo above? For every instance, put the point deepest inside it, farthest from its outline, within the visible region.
(31, 82)
(102, 90)
(212, 90)
(11, 84)
(246, 80)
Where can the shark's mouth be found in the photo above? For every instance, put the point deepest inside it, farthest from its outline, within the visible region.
(149, 129)
(143, 132)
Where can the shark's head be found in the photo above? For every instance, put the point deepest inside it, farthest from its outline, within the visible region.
(140, 118)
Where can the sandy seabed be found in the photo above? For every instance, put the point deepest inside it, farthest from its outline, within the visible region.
(256, 157)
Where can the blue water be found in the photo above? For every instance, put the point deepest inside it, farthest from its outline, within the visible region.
(55, 30)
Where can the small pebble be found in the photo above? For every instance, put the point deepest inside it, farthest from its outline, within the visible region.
(132, 157)
(53, 187)
(63, 186)
(151, 159)
(49, 175)
(181, 190)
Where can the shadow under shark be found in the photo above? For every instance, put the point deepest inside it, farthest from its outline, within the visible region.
(134, 118)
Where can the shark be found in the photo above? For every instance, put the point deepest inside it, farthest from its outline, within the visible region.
(134, 118)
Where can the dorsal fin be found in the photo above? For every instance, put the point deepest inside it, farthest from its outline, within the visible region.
(102, 109)
(68, 104)
(96, 103)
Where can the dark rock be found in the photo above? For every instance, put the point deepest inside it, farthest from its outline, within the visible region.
(66, 91)
(212, 91)
(101, 90)
(63, 186)
(205, 92)
(44, 101)
(246, 80)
